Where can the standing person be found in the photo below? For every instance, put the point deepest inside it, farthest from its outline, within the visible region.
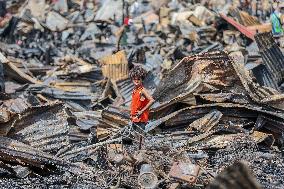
(275, 18)
(141, 100)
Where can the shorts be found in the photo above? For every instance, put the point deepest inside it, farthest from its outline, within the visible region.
(141, 125)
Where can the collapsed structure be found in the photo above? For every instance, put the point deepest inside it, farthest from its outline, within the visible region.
(64, 119)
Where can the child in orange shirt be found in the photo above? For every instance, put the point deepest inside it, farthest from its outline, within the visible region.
(141, 99)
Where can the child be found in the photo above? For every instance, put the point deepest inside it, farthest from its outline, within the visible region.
(141, 99)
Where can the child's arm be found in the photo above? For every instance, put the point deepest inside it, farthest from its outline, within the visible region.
(150, 103)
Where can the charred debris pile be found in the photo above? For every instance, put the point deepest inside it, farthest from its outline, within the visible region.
(214, 69)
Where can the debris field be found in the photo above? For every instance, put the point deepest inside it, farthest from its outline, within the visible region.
(214, 68)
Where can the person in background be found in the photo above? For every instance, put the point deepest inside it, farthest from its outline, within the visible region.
(141, 100)
(275, 18)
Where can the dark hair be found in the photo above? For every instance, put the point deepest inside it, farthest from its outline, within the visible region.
(137, 72)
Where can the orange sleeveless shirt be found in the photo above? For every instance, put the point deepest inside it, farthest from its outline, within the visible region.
(137, 104)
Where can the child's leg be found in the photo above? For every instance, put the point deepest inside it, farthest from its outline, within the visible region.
(141, 136)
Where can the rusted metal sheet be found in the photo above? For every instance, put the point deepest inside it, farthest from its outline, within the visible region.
(233, 110)
(208, 93)
(184, 171)
(205, 72)
(117, 58)
(193, 74)
(115, 115)
(86, 120)
(115, 71)
(72, 67)
(254, 90)
(207, 122)
(115, 66)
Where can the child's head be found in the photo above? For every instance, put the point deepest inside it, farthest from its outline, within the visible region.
(137, 74)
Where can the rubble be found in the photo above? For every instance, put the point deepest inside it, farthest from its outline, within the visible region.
(213, 68)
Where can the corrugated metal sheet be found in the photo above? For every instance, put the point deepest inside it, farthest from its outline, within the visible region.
(176, 83)
(117, 58)
(264, 77)
(46, 131)
(115, 71)
(272, 58)
(115, 66)
(125, 87)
